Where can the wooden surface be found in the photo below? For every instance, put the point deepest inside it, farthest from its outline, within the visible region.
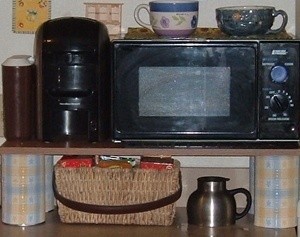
(109, 148)
(54, 228)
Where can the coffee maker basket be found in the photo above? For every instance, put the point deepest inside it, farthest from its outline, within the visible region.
(117, 196)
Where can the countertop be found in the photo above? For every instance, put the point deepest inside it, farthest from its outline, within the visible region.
(54, 228)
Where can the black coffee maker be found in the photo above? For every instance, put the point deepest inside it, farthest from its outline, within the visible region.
(73, 87)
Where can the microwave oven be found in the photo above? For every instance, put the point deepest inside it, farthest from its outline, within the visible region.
(205, 90)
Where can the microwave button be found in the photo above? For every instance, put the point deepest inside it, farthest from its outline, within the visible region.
(279, 103)
(279, 74)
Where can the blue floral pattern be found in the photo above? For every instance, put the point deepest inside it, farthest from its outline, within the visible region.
(194, 22)
(174, 21)
(165, 22)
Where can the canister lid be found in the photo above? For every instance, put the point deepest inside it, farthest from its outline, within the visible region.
(18, 61)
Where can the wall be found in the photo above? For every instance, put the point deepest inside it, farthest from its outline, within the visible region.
(298, 19)
(235, 168)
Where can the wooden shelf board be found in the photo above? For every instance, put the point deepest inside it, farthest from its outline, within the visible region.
(109, 148)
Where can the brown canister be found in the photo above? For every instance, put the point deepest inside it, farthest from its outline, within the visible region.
(19, 85)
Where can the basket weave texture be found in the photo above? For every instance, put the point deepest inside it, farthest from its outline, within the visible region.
(105, 186)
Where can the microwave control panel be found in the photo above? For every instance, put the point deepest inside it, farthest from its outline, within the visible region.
(278, 83)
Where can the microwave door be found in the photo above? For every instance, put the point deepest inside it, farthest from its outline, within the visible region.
(189, 93)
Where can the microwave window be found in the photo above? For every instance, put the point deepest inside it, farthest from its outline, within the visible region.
(184, 91)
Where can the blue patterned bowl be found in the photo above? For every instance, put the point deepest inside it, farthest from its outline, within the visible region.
(249, 20)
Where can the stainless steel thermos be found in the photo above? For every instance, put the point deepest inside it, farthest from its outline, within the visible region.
(213, 205)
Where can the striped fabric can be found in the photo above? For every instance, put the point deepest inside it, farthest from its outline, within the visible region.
(276, 191)
(23, 189)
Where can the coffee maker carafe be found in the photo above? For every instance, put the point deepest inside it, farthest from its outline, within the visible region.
(72, 59)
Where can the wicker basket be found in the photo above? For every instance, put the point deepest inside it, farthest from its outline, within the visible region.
(117, 196)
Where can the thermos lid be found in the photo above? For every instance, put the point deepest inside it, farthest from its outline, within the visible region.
(18, 61)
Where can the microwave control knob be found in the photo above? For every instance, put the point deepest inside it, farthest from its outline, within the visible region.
(279, 74)
(279, 103)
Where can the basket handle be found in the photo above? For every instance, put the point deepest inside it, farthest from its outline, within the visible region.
(119, 209)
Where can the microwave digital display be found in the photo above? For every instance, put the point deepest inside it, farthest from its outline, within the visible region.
(184, 91)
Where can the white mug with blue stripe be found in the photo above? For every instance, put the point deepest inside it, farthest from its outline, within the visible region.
(170, 18)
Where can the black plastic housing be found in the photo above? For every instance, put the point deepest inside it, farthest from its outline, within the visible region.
(73, 89)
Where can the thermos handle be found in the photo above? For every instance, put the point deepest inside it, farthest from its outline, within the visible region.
(249, 201)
